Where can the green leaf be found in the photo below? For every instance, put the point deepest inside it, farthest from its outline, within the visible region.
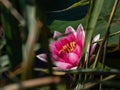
(64, 10)
(103, 19)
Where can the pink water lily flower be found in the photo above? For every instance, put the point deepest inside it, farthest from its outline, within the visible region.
(66, 51)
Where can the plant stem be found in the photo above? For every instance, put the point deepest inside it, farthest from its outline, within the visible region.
(103, 62)
(93, 14)
(29, 51)
(107, 32)
(92, 20)
(44, 38)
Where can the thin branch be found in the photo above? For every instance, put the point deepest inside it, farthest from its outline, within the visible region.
(89, 85)
(111, 35)
(32, 83)
(82, 71)
(103, 62)
(13, 11)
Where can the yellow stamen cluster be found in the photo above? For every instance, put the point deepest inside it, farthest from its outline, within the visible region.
(69, 47)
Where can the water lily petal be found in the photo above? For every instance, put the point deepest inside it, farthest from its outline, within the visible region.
(57, 58)
(42, 57)
(64, 41)
(69, 30)
(63, 65)
(73, 68)
(71, 38)
(53, 49)
(80, 35)
(73, 58)
(78, 50)
(87, 53)
(58, 45)
(96, 38)
(56, 34)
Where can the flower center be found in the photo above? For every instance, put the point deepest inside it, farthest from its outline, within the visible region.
(69, 47)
